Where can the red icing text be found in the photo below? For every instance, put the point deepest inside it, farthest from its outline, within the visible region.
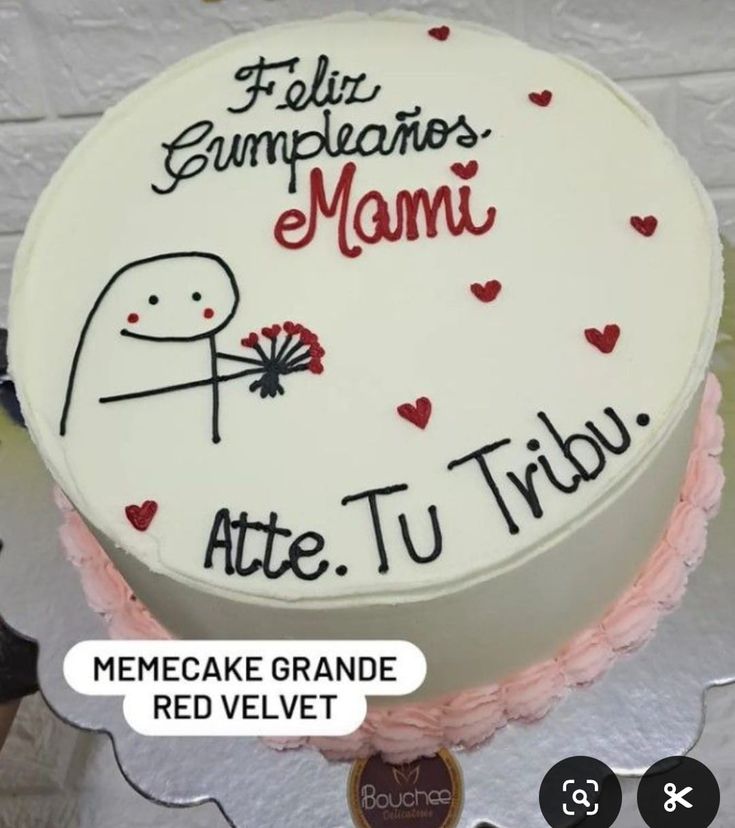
(371, 218)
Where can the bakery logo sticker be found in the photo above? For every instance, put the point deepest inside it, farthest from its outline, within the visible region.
(427, 793)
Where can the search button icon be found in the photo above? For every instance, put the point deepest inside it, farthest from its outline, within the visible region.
(580, 789)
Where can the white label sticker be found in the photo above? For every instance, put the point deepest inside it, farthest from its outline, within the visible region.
(245, 688)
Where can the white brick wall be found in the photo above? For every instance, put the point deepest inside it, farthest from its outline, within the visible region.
(62, 62)
(21, 91)
(632, 38)
(705, 125)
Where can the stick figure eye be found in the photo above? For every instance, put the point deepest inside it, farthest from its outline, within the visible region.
(153, 299)
(196, 296)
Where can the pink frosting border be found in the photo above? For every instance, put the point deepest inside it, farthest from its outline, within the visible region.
(465, 719)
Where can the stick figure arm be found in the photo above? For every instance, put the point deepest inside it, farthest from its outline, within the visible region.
(234, 358)
(184, 386)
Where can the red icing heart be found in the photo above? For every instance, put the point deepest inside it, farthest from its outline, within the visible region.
(488, 291)
(271, 332)
(465, 171)
(417, 414)
(604, 340)
(646, 226)
(249, 341)
(141, 516)
(440, 32)
(540, 98)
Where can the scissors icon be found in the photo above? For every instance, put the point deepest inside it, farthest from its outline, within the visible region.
(676, 798)
(579, 797)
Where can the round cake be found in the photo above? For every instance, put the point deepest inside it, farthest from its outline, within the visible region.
(372, 327)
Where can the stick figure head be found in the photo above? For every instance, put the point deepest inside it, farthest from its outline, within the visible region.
(175, 297)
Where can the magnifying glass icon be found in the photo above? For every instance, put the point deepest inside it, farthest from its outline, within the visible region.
(579, 797)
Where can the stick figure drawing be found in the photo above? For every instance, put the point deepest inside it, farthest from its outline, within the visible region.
(191, 297)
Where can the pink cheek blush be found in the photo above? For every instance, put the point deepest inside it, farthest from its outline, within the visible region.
(207, 313)
(133, 318)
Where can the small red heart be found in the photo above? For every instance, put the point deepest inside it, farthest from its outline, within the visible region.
(440, 32)
(271, 332)
(540, 98)
(465, 171)
(646, 226)
(488, 291)
(141, 516)
(417, 414)
(604, 340)
(249, 341)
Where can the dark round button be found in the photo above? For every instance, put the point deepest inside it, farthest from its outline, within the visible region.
(678, 792)
(580, 791)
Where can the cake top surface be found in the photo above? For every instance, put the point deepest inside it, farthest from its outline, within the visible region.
(358, 308)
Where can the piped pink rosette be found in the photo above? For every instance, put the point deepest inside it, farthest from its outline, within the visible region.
(407, 731)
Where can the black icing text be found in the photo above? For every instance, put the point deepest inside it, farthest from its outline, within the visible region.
(232, 540)
(203, 145)
(560, 462)
(372, 497)
(584, 456)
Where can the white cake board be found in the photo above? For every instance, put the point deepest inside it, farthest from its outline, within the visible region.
(650, 705)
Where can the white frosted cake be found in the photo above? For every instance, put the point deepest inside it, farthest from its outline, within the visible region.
(372, 327)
